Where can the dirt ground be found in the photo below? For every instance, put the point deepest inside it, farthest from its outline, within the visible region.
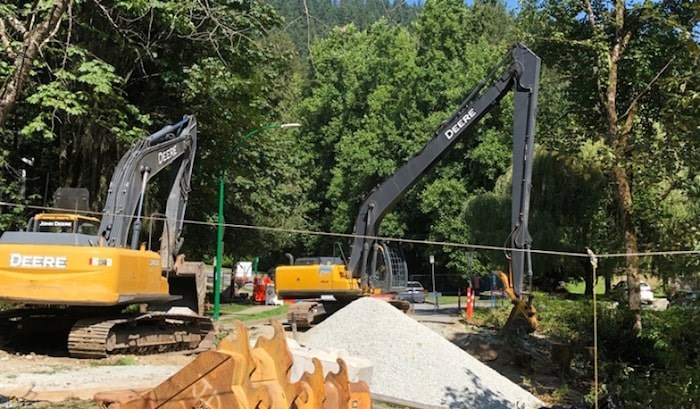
(30, 380)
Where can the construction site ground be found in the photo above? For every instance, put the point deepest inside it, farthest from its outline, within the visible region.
(51, 379)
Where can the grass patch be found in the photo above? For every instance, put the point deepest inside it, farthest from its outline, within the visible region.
(128, 360)
(239, 313)
(232, 308)
(52, 370)
(125, 361)
(578, 287)
(273, 312)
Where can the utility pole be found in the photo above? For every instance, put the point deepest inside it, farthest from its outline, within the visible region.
(432, 269)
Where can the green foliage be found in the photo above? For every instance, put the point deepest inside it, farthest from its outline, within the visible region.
(492, 317)
(78, 90)
(657, 368)
(624, 120)
(377, 96)
(317, 18)
(569, 212)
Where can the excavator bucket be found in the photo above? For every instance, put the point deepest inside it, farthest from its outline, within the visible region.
(523, 316)
(240, 376)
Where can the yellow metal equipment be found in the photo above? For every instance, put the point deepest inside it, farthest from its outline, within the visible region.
(325, 284)
(80, 275)
(74, 277)
(238, 376)
(307, 277)
(523, 316)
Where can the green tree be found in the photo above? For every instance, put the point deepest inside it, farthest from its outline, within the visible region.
(456, 49)
(618, 62)
(358, 104)
(24, 29)
(569, 212)
(376, 97)
(118, 71)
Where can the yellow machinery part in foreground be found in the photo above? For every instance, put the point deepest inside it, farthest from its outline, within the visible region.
(238, 376)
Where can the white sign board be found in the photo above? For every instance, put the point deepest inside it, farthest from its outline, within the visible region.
(244, 270)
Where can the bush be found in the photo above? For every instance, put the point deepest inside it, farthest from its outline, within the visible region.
(658, 368)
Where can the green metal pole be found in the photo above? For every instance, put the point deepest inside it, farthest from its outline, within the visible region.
(220, 227)
(219, 248)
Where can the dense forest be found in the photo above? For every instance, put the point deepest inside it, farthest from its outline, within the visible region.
(370, 81)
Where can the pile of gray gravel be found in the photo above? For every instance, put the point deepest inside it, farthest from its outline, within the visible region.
(412, 362)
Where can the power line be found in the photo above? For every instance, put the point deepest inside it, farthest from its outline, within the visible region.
(384, 238)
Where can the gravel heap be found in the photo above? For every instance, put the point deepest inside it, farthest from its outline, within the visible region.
(412, 362)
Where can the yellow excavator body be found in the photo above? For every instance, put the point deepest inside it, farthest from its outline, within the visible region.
(79, 275)
(311, 280)
(319, 286)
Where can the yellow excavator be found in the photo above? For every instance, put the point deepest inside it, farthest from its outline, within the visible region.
(76, 277)
(321, 285)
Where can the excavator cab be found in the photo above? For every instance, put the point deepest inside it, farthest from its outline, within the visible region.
(389, 270)
(63, 223)
(66, 199)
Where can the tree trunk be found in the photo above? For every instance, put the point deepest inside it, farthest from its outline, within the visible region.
(34, 36)
(618, 139)
(624, 200)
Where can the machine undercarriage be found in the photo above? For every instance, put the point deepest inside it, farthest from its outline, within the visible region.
(99, 332)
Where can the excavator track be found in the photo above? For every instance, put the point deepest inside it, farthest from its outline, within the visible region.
(140, 334)
(305, 314)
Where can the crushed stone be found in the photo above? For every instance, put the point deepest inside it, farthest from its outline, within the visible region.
(414, 363)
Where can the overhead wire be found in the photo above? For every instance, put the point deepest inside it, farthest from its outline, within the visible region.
(401, 240)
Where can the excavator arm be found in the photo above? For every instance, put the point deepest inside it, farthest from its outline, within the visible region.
(521, 75)
(174, 145)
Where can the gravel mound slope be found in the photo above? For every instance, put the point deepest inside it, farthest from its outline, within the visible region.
(412, 362)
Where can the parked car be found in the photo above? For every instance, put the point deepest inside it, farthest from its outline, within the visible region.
(646, 294)
(414, 292)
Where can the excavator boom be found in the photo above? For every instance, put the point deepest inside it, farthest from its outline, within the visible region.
(521, 75)
(373, 265)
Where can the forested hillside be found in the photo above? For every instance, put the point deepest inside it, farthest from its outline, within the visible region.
(370, 82)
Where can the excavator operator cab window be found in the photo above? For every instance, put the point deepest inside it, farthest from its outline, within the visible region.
(86, 227)
(307, 261)
(379, 277)
(389, 271)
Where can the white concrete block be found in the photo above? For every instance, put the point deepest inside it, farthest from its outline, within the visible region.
(359, 369)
